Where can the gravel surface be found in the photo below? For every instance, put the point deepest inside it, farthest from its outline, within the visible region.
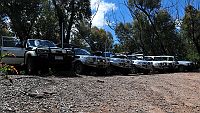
(160, 93)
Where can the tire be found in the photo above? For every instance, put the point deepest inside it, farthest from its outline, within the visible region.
(134, 70)
(45, 70)
(125, 72)
(181, 68)
(79, 68)
(109, 70)
(152, 70)
(146, 72)
(31, 67)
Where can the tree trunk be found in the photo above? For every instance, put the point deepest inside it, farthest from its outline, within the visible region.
(60, 15)
(71, 21)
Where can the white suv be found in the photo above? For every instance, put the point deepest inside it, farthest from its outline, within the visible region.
(162, 63)
(139, 65)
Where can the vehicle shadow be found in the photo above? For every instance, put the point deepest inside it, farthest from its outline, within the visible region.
(95, 74)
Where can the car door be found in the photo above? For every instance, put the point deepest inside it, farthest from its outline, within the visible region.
(12, 46)
(17, 57)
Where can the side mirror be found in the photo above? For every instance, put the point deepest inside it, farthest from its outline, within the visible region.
(29, 48)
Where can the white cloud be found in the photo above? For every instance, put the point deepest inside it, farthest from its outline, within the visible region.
(102, 9)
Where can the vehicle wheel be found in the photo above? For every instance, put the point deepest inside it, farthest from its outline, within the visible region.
(45, 70)
(125, 72)
(79, 68)
(134, 70)
(152, 70)
(31, 67)
(146, 72)
(109, 70)
(181, 68)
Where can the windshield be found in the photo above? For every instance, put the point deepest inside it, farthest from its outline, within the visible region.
(164, 59)
(81, 52)
(41, 43)
(159, 59)
(107, 54)
(148, 58)
(134, 58)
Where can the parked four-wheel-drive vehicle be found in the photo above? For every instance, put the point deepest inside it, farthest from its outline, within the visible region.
(157, 65)
(139, 65)
(162, 63)
(169, 62)
(120, 63)
(184, 65)
(85, 62)
(35, 55)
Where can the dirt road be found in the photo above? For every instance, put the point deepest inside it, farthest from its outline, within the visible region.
(161, 93)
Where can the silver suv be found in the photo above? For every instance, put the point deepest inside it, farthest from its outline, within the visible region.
(120, 63)
(184, 65)
(85, 62)
(139, 65)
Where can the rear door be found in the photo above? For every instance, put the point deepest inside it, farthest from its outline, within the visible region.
(16, 54)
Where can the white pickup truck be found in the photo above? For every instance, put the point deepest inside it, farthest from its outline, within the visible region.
(35, 55)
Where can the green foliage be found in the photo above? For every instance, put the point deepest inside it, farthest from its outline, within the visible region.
(190, 27)
(100, 40)
(22, 14)
(146, 4)
(118, 48)
(46, 26)
(44, 18)
(193, 56)
(71, 13)
(126, 37)
(167, 32)
(4, 68)
(152, 31)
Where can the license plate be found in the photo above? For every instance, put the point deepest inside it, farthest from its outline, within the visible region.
(58, 57)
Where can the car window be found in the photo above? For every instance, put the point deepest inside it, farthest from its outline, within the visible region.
(81, 52)
(107, 54)
(171, 59)
(10, 42)
(148, 58)
(159, 59)
(132, 57)
(41, 43)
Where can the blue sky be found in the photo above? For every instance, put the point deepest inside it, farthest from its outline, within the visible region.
(114, 11)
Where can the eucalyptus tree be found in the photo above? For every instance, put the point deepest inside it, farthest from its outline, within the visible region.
(100, 40)
(46, 26)
(22, 14)
(149, 8)
(125, 34)
(166, 29)
(190, 29)
(70, 13)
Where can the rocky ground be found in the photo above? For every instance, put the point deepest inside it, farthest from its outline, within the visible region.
(160, 93)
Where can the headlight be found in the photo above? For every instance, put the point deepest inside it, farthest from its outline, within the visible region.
(88, 59)
(64, 51)
(141, 63)
(156, 64)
